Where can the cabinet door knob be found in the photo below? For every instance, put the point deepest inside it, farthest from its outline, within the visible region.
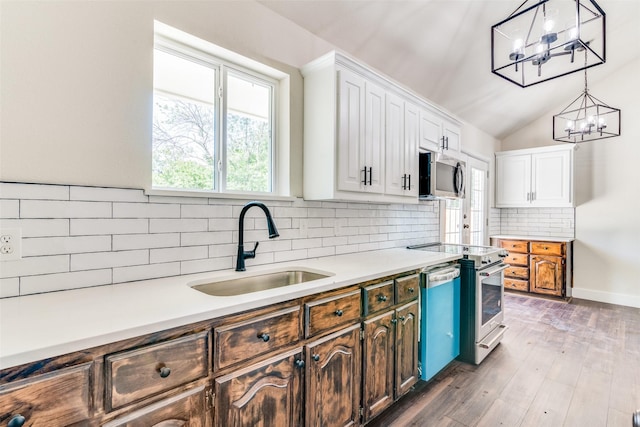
(411, 290)
(394, 321)
(339, 313)
(316, 357)
(164, 371)
(16, 421)
(300, 363)
(402, 318)
(264, 337)
(382, 298)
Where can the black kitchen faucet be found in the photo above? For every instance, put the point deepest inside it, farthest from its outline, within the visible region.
(273, 232)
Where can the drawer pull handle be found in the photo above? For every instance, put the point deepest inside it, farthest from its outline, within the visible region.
(164, 372)
(316, 357)
(339, 313)
(16, 421)
(411, 290)
(300, 363)
(546, 248)
(402, 318)
(382, 298)
(264, 337)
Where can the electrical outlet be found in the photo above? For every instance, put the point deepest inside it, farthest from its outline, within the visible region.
(10, 244)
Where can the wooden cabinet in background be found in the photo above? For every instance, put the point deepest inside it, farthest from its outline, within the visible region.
(537, 266)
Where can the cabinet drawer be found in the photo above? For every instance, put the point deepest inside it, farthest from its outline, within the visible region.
(547, 248)
(521, 246)
(327, 313)
(378, 297)
(255, 336)
(517, 272)
(147, 371)
(518, 285)
(407, 288)
(185, 409)
(515, 258)
(58, 398)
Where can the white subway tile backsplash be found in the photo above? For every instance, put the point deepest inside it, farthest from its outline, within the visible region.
(9, 208)
(34, 266)
(145, 241)
(40, 246)
(83, 227)
(145, 210)
(11, 190)
(206, 238)
(178, 254)
(64, 281)
(9, 287)
(94, 261)
(144, 272)
(88, 236)
(538, 222)
(64, 209)
(178, 225)
(99, 194)
(39, 227)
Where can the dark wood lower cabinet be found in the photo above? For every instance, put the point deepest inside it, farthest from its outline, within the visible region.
(267, 394)
(406, 348)
(378, 357)
(333, 381)
(187, 409)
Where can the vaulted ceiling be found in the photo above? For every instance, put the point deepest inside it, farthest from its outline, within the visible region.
(441, 50)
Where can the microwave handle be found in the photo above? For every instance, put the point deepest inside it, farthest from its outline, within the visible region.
(459, 179)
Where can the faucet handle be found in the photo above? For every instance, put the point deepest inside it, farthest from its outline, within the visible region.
(252, 253)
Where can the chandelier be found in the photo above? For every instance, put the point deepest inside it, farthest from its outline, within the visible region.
(586, 119)
(539, 42)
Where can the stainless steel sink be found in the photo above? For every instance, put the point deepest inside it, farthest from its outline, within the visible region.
(259, 282)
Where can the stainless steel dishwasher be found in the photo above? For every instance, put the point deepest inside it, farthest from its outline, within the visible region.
(439, 318)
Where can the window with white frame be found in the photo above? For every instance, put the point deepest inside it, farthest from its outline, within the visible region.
(213, 123)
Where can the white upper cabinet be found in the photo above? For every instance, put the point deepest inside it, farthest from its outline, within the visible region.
(439, 133)
(361, 134)
(540, 177)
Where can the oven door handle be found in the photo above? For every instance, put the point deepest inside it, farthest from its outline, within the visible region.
(501, 330)
(495, 270)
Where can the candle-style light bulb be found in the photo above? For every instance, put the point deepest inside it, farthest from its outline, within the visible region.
(569, 126)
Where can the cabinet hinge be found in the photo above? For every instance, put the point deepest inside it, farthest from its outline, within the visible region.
(361, 412)
(361, 334)
(210, 398)
(220, 91)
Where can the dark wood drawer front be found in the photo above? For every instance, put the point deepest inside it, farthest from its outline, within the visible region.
(517, 272)
(378, 297)
(138, 374)
(185, 409)
(515, 258)
(547, 248)
(59, 398)
(256, 336)
(521, 246)
(327, 313)
(518, 285)
(407, 288)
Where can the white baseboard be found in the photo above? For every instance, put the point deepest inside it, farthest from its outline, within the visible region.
(608, 297)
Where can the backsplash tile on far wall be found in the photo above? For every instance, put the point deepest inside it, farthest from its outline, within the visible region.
(74, 237)
(538, 222)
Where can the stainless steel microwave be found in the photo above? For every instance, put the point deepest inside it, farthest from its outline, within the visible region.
(441, 177)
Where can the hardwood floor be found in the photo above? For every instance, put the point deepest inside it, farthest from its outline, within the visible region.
(559, 364)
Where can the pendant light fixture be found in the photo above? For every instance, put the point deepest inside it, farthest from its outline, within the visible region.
(586, 119)
(540, 39)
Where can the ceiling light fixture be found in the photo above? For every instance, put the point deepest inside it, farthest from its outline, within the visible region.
(586, 119)
(538, 42)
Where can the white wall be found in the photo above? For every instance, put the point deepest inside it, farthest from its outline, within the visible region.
(607, 247)
(77, 82)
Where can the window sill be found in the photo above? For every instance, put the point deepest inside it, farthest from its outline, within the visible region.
(213, 195)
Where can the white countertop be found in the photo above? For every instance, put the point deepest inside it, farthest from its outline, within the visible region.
(535, 238)
(40, 326)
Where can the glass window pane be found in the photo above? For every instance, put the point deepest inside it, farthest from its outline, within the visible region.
(183, 123)
(249, 135)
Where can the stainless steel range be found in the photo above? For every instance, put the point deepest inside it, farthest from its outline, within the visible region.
(481, 297)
